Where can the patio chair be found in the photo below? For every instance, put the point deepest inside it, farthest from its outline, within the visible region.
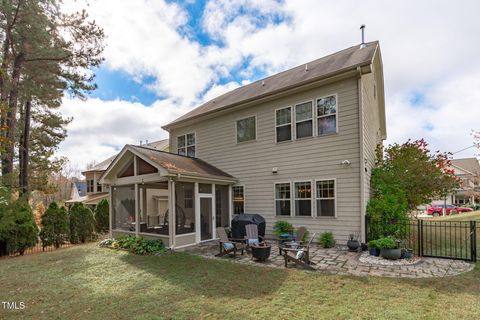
(298, 239)
(252, 237)
(228, 245)
(300, 255)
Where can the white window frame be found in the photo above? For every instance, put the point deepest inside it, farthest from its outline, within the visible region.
(283, 125)
(312, 119)
(312, 208)
(256, 129)
(324, 116)
(233, 199)
(334, 198)
(186, 143)
(275, 198)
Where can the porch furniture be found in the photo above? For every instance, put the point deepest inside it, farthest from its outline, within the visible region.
(241, 220)
(252, 237)
(261, 252)
(300, 255)
(286, 240)
(229, 245)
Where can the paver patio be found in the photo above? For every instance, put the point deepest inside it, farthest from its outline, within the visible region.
(343, 262)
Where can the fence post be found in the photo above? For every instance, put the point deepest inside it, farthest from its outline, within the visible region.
(366, 229)
(473, 240)
(419, 237)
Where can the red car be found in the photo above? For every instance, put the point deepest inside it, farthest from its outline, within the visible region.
(437, 209)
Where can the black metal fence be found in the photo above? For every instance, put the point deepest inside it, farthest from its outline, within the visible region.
(441, 239)
(39, 247)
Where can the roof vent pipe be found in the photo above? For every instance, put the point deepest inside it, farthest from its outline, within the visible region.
(306, 67)
(362, 27)
(140, 142)
(263, 82)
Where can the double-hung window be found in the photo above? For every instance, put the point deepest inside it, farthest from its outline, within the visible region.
(246, 129)
(238, 199)
(90, 185)
(186, 145)
(325, 198)
(283, 199)
(283, 124)
(303, 198)
(327, 115)
(303, 120)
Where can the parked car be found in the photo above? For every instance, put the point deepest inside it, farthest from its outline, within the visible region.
(437, 209)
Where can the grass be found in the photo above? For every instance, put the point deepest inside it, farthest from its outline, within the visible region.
(87, 282)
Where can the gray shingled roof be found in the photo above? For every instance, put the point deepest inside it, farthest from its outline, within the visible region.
(178, 164)
(327, 66)
(469, 164)
(102, 166)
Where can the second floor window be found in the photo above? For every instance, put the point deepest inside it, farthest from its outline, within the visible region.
(99, 187)
(303, 120)
(246, 129)
(238, 199)
(89, 185)
(186, 145)
(283, 124)
(327, 115)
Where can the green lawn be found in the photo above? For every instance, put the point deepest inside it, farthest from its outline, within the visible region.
(87, 282)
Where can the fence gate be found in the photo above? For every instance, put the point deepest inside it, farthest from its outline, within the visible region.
(443, 239)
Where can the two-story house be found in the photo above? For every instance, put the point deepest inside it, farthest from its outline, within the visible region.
(468, 170)
(297, 146)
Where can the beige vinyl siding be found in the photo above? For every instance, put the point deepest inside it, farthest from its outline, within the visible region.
(371, 124)
(306, 159)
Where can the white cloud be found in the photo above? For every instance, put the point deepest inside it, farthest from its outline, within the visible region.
(428, 47)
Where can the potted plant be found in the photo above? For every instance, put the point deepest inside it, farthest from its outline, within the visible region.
(373, 248)
(353, 244)
(389, 249)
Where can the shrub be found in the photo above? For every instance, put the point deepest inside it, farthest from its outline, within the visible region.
(452, 212)
(82, 223)
(135, 245)
(386, 243)
(327, 240)
(281, 227)
(18, 230)
(373, 244)
(55, 226)
(102, 216)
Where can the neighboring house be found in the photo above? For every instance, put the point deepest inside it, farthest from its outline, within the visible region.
(79, 189)
(96, 191)
(468, 170)
(296, 146)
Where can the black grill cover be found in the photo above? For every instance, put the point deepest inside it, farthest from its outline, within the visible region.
(241, 220)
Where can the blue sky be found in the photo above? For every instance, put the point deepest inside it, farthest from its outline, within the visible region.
(163, 58)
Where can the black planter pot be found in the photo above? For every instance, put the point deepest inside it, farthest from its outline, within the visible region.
(406, 254)
(353, 245)
(391, 254)
(374, 252)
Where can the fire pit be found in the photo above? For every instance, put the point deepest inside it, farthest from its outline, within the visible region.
(261, 252)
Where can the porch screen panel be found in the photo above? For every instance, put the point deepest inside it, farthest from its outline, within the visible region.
(154, 210)
(221, 206)
(123, 213)
(184, 212)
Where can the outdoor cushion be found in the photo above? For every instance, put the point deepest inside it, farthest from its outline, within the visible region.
(253, 242)
(299, 255)
(228, 246)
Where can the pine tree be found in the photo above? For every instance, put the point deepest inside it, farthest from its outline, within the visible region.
(55, 226)
(102, 216)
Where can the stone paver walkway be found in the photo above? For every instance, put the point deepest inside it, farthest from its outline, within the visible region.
(343, 262)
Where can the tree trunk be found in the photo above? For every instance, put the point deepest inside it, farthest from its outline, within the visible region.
(7, 162)
(24, 150)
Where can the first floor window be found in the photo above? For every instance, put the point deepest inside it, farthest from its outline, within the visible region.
(238, 199)
(303, 198)
(246, 129)
(99, 187)
(327, 115)
(186, 145)
(325, 198)
(282, 199)
(303, 120)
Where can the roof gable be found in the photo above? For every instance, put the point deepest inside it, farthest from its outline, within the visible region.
(342, 61)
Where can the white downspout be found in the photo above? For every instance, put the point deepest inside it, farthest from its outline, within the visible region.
(362, 157)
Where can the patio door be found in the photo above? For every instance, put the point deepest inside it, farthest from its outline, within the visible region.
(206, 218)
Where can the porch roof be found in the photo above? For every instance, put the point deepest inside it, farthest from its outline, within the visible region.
(173, 164)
